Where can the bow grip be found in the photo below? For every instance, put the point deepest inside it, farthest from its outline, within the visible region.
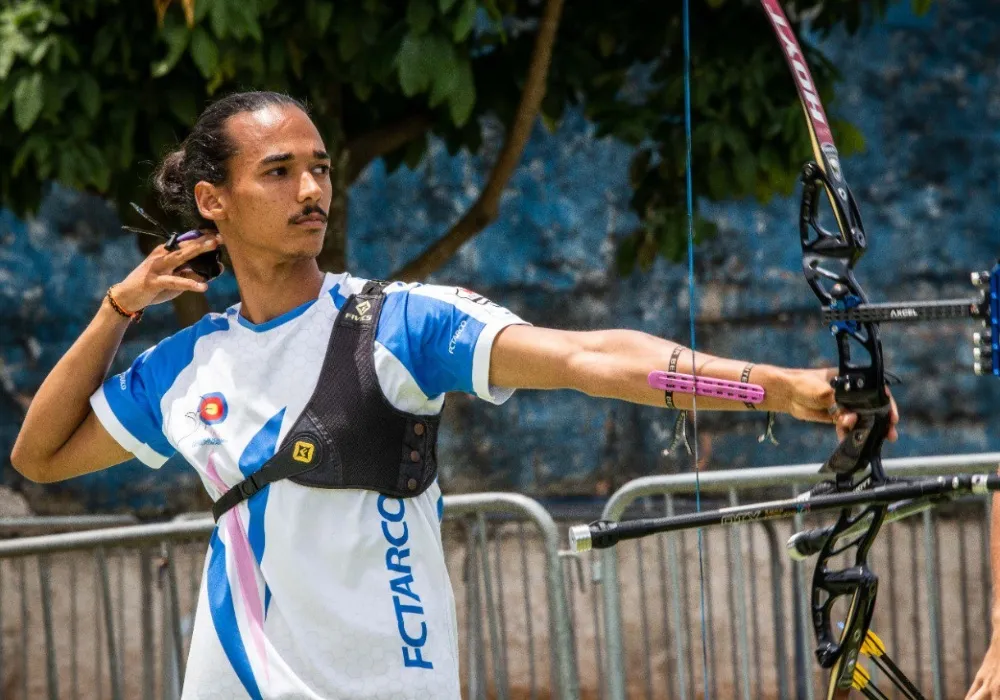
(861, 443)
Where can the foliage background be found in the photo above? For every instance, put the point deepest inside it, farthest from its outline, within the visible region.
(922, 90)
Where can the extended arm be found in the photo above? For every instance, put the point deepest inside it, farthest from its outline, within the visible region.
(615, 364)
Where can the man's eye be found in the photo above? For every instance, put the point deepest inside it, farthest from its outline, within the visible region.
(278, 172)
(322, 169)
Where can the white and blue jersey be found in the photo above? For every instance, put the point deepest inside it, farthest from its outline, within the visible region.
(310, 593)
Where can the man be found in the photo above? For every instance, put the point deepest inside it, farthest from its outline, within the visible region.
(309, 410)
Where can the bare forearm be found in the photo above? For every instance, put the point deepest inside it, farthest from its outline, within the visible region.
(616, 363)
(62, 401)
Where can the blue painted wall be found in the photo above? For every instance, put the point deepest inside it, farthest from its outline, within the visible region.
(923, 91)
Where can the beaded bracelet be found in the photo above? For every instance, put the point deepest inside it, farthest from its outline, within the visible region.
(135, 317)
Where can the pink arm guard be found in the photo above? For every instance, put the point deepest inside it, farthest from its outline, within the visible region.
(706, 386)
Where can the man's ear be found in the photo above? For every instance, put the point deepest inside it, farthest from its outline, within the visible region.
(210, 201)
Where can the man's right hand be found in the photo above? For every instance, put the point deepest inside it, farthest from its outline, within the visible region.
(986, 685)
(164, 275)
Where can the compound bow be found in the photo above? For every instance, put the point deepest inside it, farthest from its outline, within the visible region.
(857, 486)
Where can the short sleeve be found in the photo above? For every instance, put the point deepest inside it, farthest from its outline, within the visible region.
(443, 336)
(128, 406)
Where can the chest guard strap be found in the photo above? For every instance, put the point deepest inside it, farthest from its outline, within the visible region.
(349, 436)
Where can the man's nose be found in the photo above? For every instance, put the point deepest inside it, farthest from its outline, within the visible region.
(308, 187)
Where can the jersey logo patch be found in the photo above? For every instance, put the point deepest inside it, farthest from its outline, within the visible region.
(358, 314)
(213, 408)
(303, 451)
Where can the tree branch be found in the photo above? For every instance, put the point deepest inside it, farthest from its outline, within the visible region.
(374, 144)
(485, 209)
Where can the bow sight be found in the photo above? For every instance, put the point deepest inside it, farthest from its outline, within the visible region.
(844, 314)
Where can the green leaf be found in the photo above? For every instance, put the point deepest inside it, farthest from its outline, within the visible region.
(465, 20)
(445, 5)
(103, 44)
(419, 14)
(414, 72)
(493, 11)
(921, 7)
(463, 96)
(41, 48)
(201, 8)
(849, 138)
(43, 159)
(22, 155)
(29, 97)
(7, 56)
(176, 36)
(444, 69)
(68, 169)
(248, 26)
(97, 170)
(219, 18)
(55, 55)
(324, 13)
(204, 52)
(90, 94)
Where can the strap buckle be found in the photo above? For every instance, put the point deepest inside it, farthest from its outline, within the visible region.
(249, 486)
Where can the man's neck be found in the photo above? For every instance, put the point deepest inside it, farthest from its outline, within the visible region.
(268, 293)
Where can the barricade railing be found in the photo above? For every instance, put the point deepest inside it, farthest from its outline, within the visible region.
(18, 526)
(142, 582)
(656, 649)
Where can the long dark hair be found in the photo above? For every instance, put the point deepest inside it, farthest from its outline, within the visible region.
(205, 153)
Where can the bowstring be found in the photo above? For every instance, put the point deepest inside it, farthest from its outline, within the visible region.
(691, 307)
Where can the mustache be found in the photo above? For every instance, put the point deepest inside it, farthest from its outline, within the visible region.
(308, 211)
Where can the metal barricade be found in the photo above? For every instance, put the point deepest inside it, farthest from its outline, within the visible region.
(108, 613)
(757, 639)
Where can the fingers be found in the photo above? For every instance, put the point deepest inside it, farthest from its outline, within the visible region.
(183, 284)
(846, 423)
(187, 273)
(893, 434)
(816, 415)
(188, 250)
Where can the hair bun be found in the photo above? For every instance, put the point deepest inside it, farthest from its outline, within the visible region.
(169, 182)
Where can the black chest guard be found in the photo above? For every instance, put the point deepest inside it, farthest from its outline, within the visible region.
(349, 436)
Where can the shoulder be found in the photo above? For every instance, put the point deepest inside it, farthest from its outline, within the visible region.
(433, 301)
